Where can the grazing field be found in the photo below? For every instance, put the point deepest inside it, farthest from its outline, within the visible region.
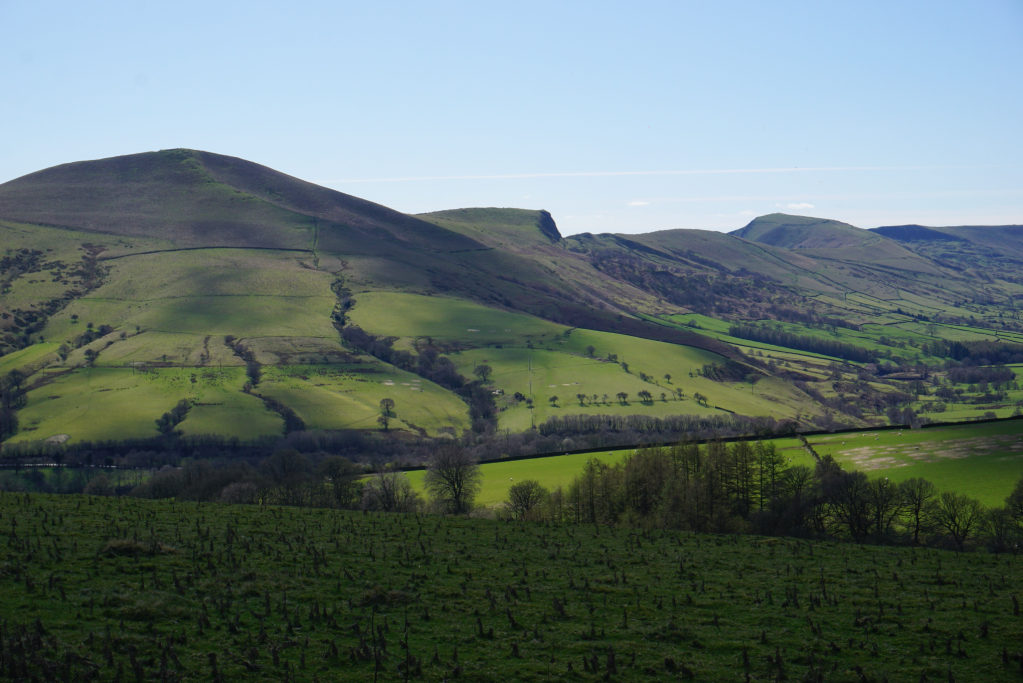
(348, 397)
(984, 461)
(117, 402)
(123, 589)
(396, 314)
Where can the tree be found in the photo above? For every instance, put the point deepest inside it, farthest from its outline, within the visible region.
(590, 350)
(390, 492)
(343, 478)
(285, 466)
(959, 516)
(483, 372)
(645, 396)
(384, 422)
(99, 486)
(667, 378)
(8, 423)
(581, 397)
(553, 400)
(700, 398)
(454, 478)
(625, 366)
(622, 396)
(525, 497)
(918, 497)
(387, 405)
(664, 397)
(1014, 505)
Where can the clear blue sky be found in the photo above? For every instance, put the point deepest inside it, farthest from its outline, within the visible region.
(874, 113)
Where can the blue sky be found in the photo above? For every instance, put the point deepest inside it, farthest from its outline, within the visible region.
(624, 117)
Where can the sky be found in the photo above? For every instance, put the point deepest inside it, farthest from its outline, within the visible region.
(615, 117)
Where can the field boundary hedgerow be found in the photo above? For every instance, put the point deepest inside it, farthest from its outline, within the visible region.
(729, 439)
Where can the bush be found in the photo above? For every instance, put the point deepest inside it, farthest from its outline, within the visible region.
(99, 486)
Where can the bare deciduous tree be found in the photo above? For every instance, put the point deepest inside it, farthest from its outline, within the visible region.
(343, 478)
(918, 497)
(958, 515)
(454, 477)
(390, 492)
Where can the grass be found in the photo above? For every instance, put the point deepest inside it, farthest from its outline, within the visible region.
(348, 397)
(100, 403)
(266, 592)
(401, 315)
(984, 461)
(28, 358)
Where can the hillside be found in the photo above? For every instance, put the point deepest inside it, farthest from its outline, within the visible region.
(269, 304)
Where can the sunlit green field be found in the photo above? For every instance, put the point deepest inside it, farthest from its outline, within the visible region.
(341, 397)
(984, 461)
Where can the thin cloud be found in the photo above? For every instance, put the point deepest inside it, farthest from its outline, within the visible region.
(639, 203)
(800, 206)
(608, 174)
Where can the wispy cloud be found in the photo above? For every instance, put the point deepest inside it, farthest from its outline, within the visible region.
(607, 174)
(800, 206)
(639, 203)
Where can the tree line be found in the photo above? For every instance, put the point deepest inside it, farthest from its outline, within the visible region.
(749, 487)
(825, 347)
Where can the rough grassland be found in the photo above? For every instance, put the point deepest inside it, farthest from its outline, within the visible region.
(124, 588)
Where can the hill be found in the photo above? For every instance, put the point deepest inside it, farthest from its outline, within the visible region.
(130, 284)
(802, 232)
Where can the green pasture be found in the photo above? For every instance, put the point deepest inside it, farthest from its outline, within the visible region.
(984, 461)
(28, 357)
(348, 397)
(398, 314)
(243, 292)
(89, 404)
(542, 374)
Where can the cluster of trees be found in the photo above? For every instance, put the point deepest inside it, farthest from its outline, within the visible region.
(723, 292)
(287, 477)
(12, 397)
(253, 369)
(973, 353)
(808, 317)
(825, 347)
(166, 423)
(748, 487)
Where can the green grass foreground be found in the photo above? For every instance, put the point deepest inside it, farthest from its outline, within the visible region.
(123, 589)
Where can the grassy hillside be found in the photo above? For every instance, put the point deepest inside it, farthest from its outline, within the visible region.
(130, 588)
(149, 261)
